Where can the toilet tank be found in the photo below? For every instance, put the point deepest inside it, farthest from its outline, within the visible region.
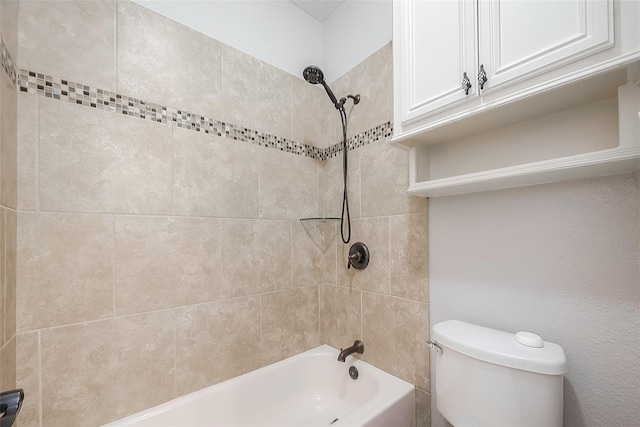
(487, 377)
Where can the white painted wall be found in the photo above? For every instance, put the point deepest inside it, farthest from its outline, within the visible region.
(281, 34)
(560, 260)
(355, 31)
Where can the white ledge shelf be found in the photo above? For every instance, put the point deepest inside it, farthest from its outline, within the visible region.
(547, 159)
(601, 163)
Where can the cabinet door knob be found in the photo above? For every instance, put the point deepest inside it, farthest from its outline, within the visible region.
(482, 77)
(466, 83)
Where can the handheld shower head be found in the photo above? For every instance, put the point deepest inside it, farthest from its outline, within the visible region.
(314, 75)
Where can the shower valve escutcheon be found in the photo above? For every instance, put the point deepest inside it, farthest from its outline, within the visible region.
(358, 256)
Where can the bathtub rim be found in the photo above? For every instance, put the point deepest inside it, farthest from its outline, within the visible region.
(361, 416)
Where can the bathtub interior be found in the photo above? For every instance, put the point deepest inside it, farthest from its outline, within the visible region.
(310, 389)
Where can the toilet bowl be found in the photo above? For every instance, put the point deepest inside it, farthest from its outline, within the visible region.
(491, 378)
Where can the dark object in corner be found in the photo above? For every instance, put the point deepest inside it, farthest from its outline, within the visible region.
(10, 404)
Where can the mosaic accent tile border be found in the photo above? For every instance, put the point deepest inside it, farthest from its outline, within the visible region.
(375, 134)
(7, 63)
(89, 96)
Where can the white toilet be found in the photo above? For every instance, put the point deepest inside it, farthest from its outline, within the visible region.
(491, 378)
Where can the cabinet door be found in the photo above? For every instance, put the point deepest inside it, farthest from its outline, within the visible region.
(519, 39)
(438, 43)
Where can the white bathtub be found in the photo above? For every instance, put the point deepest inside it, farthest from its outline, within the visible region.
(307, 390)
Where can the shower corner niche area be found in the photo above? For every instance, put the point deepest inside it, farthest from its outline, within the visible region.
(492, 94)
(321, 230)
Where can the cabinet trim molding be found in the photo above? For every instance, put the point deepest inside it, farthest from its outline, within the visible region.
(600, 163)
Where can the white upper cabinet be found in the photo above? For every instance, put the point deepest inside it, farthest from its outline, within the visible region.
(495, 94)
(451, 51)
(439, 50)
(520, 38)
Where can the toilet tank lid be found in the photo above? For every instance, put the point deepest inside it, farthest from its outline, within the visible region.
(499, 347)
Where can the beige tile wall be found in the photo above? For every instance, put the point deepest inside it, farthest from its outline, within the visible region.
(8, 194)
(198, 188)
(70, 39)
(141, 245)
(147, 42)
(111, 163)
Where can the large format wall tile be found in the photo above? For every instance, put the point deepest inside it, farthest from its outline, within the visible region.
(165, 262)
(274, 266)
(8, 365)
(3, 337)
(331, 185)
(396, 332)
(311, 263)
(108, 368)
(94, 161)
(148, 43)
(10, 283)
(214, 176)
(72, 39)
(384, 181)
(256, 256)
(256, 95)
(28, 377)
(9, 25)
(288, 185)
(27, 151)
(64, 269)
(240, 260)
(290, 322)
(341, 316)
(310, 113)
(8, 143)
(408, 261)
(423, 408)
(373, 80)
(216, 341)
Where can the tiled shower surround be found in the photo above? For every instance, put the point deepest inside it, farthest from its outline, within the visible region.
(154, 258)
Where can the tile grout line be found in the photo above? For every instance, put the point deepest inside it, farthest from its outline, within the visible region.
(40, 377)
(113, 260)
(173, 171)
(37, 178)
(175, 353)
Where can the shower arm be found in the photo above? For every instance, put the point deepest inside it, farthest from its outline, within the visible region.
(340, 104)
